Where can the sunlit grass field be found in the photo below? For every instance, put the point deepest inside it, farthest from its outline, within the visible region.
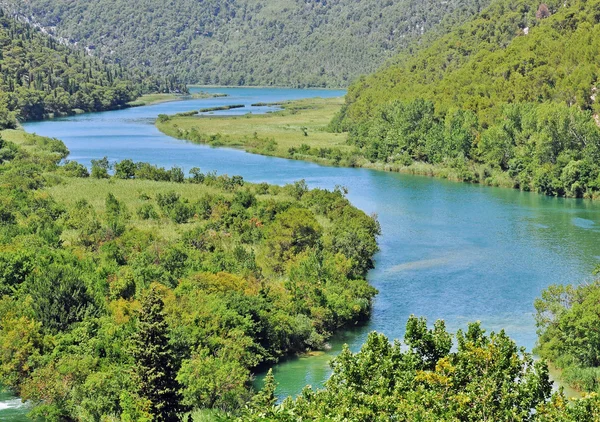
(134, 193)
(301, 122)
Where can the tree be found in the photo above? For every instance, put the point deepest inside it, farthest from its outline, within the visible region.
(265, 400)
(100, 168)
(487, 377)
(292, 232)
(213, 381)
(116, 215)
(125, 169)
(60, 295)
(155, 363)
(7, 117)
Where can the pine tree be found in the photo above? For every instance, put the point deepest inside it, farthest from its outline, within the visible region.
(155, 360)
(265, 400)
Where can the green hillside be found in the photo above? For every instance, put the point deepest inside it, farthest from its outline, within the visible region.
(39, 77)
(512, 91)
(248, 42)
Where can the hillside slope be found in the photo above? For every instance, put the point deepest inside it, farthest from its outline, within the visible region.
(247, 42)
(513, 90)
(39, 77)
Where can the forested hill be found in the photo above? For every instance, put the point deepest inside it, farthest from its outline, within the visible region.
(504, 54)
(513, 90)
(40, 77)
(247, 42)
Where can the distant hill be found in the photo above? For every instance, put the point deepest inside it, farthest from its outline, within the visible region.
(39, 77)
(321, 43)
(514, 89)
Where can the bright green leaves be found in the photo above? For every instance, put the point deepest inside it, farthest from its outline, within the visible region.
(486, 378)
(291, 233)
(567, 320)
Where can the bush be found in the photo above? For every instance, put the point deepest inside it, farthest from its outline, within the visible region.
(146, 212)
(74, 169)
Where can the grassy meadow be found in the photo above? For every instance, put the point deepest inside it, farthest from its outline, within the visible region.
(151, 99)
(300, 122)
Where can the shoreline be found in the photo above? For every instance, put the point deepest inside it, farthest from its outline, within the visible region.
(207, 130)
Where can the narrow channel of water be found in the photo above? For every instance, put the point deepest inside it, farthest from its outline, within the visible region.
(448, 250)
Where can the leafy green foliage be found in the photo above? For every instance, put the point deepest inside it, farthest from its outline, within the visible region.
(111, 315)
(248, 42)
(567, 317)
(507, 93)
(486, 377)
(39, 77)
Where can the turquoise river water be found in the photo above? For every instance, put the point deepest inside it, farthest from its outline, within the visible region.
(449, 250)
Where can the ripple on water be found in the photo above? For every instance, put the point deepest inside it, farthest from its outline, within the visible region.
(583, 223)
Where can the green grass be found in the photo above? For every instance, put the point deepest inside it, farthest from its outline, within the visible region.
(250, 132)
(23, 139)
(132, 194)
(16, 136)
(150, 99)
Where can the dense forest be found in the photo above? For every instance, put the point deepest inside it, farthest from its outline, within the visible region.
(40, 78)
(297, 43)
(133, 292)
(508, 98)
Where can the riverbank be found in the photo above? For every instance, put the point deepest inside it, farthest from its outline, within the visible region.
(299, 131)
(300, 122)
(152, 99)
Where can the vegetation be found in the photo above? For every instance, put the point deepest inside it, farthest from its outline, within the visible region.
(247, 42)
(147, 295)
(486, 377)
(41, 78)
(132, 292)
(508, 98)
(221, 108)
(567, 319)
(150, 99)
(298, 131)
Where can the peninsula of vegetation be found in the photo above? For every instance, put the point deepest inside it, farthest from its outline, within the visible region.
(145, 294)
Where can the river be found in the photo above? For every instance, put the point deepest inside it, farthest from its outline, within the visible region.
(455, 251)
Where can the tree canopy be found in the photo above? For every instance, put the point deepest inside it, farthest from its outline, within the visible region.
(507, 98)
(40, 77)
(247, 42)
(483, 377)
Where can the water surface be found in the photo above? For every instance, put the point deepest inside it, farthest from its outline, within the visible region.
(448, 250)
